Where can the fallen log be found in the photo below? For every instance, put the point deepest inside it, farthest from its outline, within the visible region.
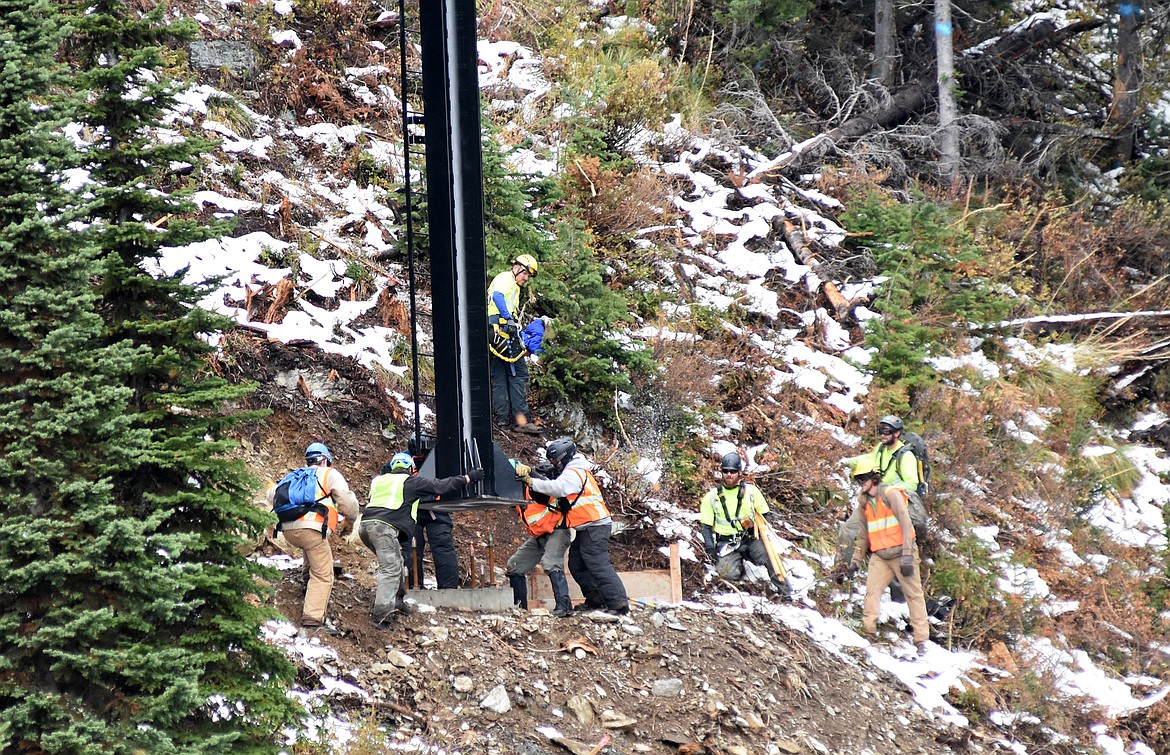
(794, 237)
(1079, 322)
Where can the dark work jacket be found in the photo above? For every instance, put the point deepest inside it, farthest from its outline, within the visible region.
(415, 488)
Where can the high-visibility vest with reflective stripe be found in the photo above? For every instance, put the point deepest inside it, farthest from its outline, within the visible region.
(881, 524)
(538, 519)
(588, 506)
(316, 517)
(386, 492)
(505, 283)
(746, 499)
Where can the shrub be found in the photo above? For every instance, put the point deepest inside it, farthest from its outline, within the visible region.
(936, 279)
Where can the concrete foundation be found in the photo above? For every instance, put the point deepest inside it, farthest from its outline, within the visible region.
(649, 586)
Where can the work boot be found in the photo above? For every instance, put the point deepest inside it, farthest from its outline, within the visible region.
(325, 627)
(519, 584)
(560, 588)
(940, 608)
(782, 588)
(383, 624)
(401, 606)
(594, 601)
(524, 426)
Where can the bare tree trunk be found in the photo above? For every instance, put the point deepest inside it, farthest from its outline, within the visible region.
(885, 50)
(1127, 80)
(948, 163)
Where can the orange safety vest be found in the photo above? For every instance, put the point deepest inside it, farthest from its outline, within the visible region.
(882, 525)
(537, 518)
(315, 516)
(588, 505)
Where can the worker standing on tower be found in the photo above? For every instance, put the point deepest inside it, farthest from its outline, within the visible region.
(509, 371)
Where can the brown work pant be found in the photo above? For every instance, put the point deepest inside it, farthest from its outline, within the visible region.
(319, 557)
(878, 577)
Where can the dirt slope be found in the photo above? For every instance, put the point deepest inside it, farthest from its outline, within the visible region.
(693, 679)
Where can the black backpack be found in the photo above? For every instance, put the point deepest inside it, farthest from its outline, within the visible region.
(296, 495)
(913, 443)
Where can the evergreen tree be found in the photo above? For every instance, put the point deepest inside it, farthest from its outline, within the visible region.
(67, 646)
(139, 613)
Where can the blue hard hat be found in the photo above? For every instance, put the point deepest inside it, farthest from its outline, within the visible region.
(315, 451)
(401, 461)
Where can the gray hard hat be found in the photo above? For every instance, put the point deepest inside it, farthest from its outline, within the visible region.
(731, 463)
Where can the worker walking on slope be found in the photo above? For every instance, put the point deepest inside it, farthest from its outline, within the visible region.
(725, 518)
(546, 545)
(896, 463)
(389, 521)
(590, 521)
(888, 539)
(328, 494)
(509, 370)
(898, 466)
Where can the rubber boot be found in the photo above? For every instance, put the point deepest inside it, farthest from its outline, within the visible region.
(519, 584)
(560, 588)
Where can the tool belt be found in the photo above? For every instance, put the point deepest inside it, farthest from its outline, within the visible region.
(504, 341)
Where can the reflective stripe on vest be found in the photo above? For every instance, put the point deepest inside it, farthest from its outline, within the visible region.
(727, 523)
(315, 517)
(539, 519)
(881, 523)
(588, 506)
(386, 493)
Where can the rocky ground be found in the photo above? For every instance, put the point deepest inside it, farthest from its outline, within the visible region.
(700, 677)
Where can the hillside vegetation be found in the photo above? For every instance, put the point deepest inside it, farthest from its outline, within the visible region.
(745, 242)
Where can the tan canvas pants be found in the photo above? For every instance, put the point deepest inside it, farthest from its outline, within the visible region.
(878, 577)
(319, 557)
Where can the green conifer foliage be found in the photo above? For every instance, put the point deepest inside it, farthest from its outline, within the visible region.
(69, 561)
(129, 618)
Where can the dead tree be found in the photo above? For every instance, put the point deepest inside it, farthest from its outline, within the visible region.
(915, 96)
(1127, 80)
(947, 108)
(885, 50)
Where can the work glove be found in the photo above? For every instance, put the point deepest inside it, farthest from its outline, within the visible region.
(511, 326)
(353, 536)
(907, 565)
(747, 524)
(345, 527)
(846, 575)
(475, 475)
(523, 470)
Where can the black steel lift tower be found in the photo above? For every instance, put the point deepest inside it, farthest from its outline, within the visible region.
(454, 190)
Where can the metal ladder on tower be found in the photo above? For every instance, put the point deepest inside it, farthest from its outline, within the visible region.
(413, 121)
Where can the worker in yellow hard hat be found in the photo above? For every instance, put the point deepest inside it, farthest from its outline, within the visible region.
(509, 371)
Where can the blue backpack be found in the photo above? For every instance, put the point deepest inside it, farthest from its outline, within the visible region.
(296, 495)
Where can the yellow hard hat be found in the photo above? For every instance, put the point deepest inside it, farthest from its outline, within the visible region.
(864, 466)
(528, 262)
